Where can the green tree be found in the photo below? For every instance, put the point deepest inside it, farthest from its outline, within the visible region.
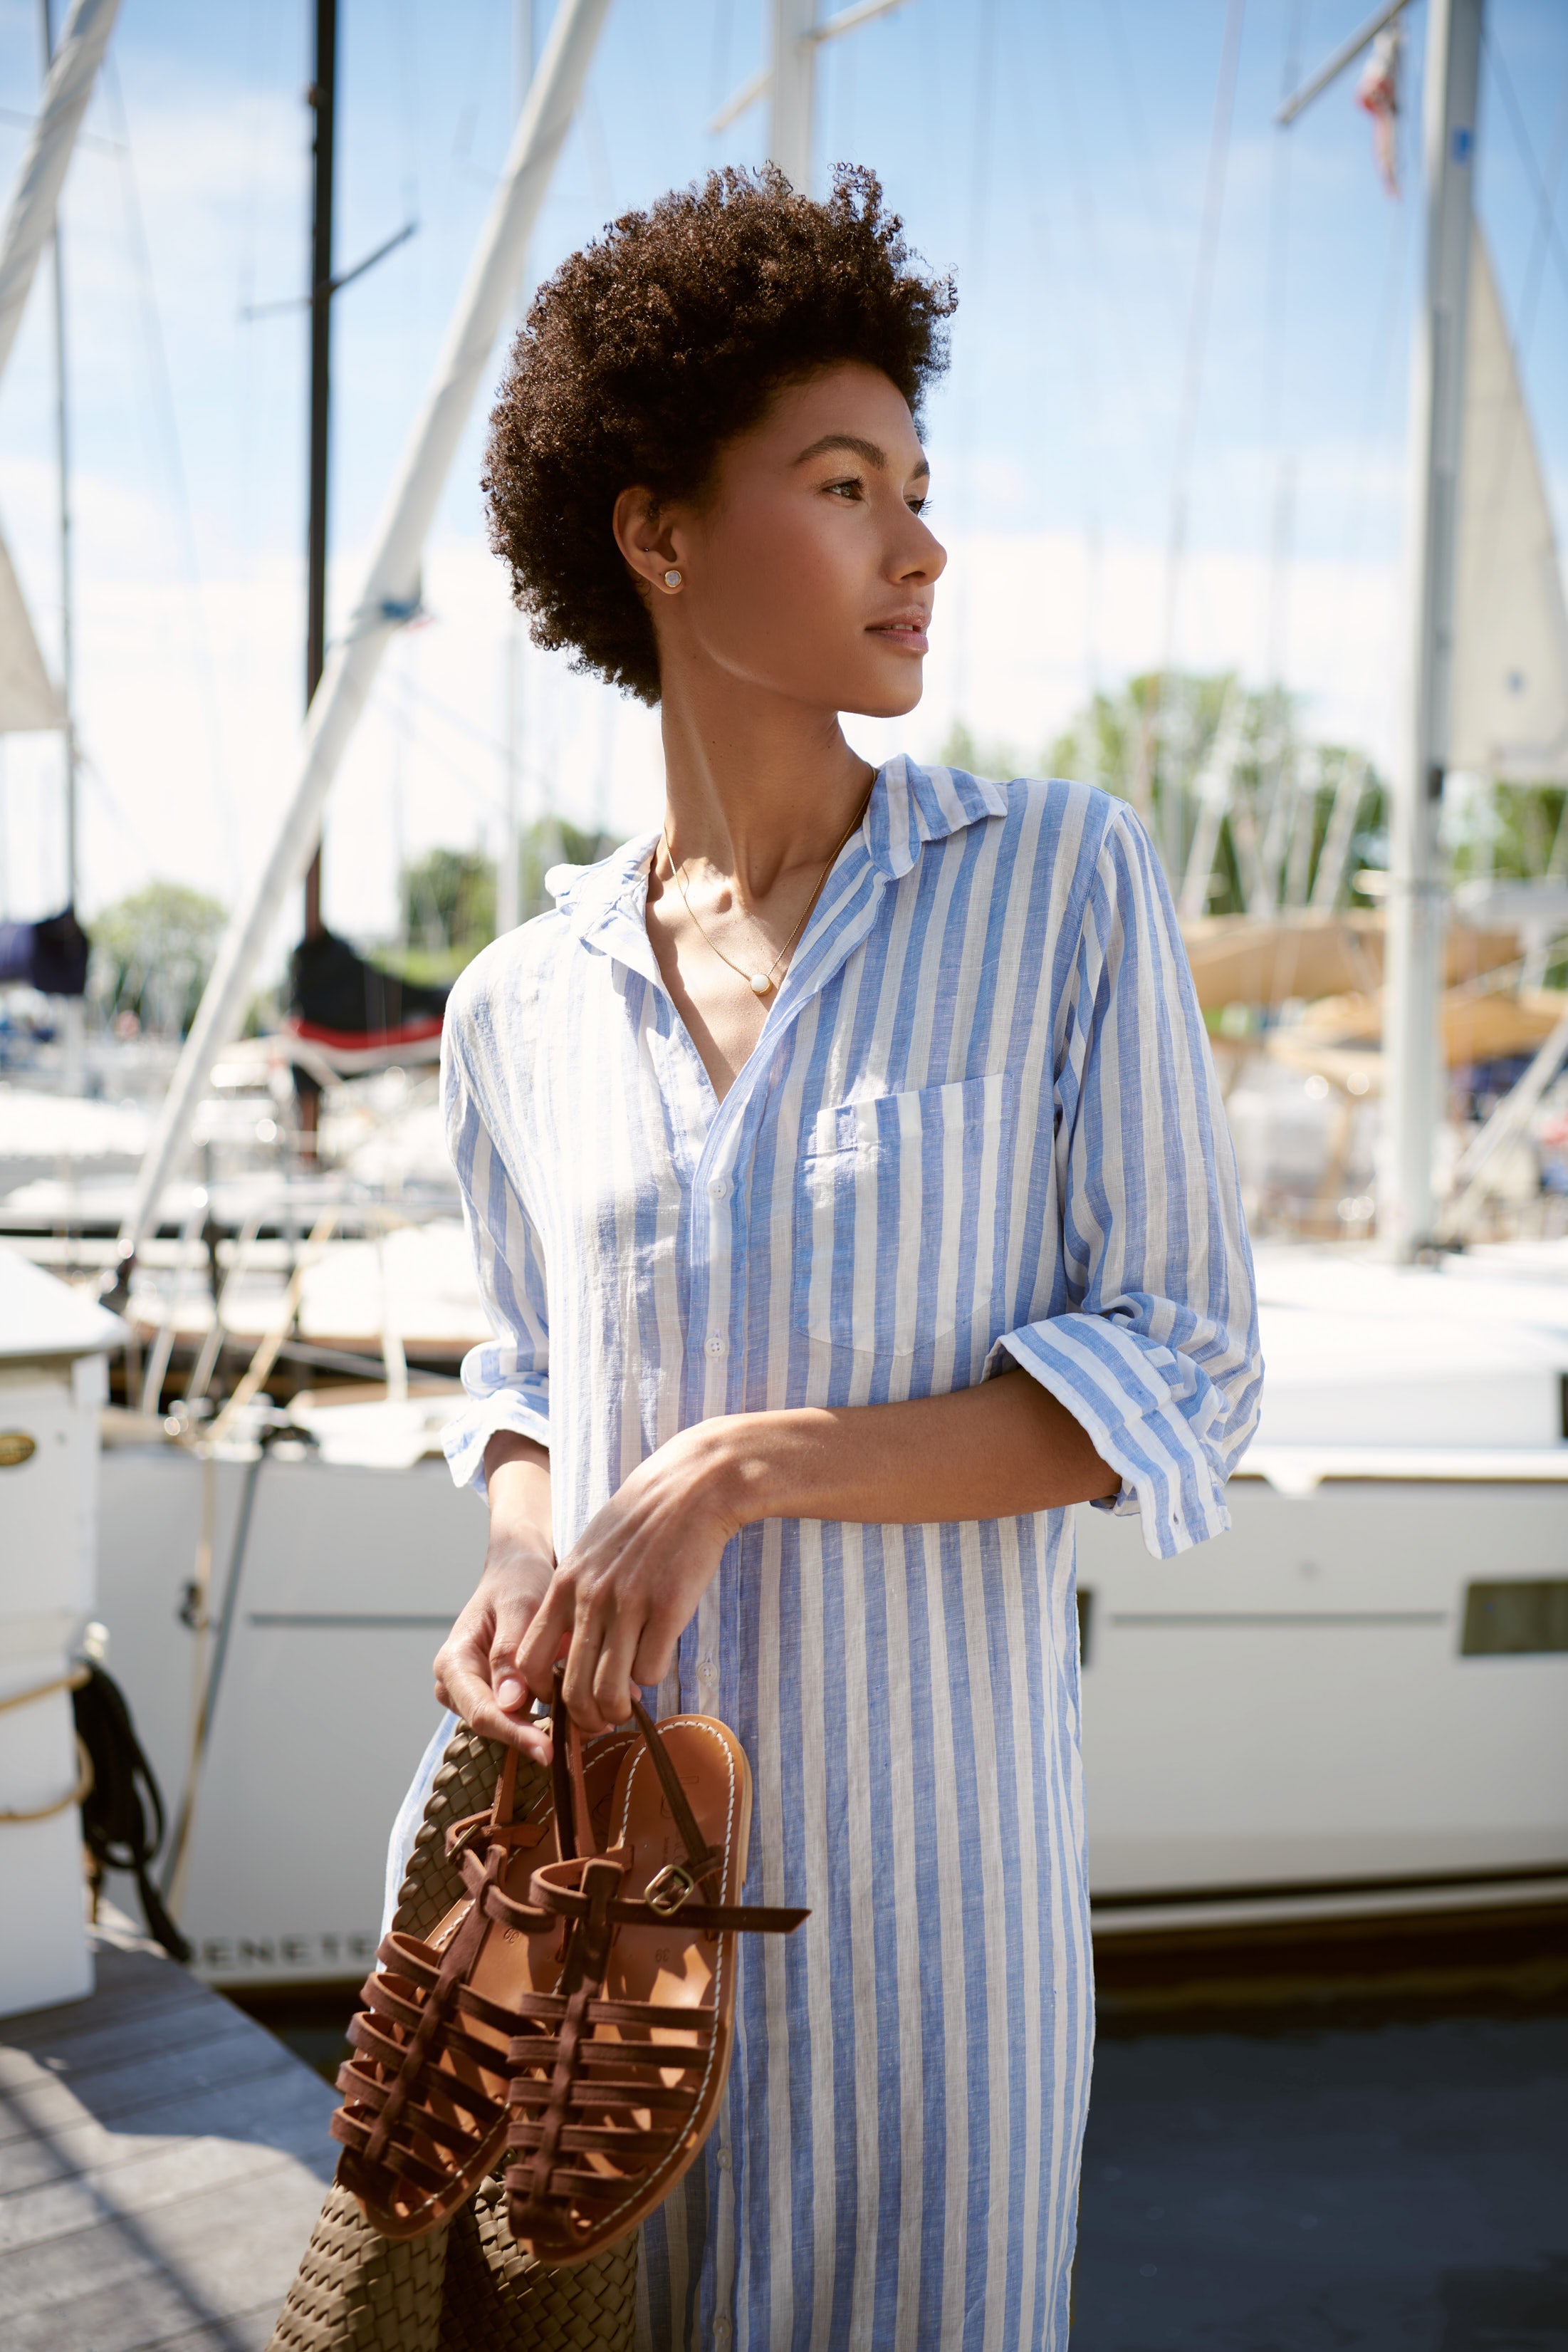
(551, 841)
(1154, 742)
(449, 902)
(979, 756)
(151, 954)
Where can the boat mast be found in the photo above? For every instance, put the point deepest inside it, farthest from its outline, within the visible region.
(1417, 897)
(62, 452)
(793, 90)
(1417, 892)
(324, 103)
(789, 80)
(387, 597)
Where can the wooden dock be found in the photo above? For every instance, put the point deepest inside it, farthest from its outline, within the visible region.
(161, 2160)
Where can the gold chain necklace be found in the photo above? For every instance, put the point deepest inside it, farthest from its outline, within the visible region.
(762, 983)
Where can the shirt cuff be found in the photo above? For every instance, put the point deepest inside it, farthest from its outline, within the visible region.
(464, 1440)
(1120, 1387)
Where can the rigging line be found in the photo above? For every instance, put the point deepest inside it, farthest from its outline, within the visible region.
(1395, 261)
(1124, 75)
(487, 799)
(965, 419)
(128, 826)
(444, 710)
(174, 459)
(1545, 209)
(1192, 386)
(1543, 226)
(1277, 314)
(718, 69)
(1083, 350)
(1088, 220)
(1198, 313)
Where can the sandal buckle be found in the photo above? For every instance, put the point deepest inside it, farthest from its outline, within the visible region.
(668, 1889)
(475, 1833)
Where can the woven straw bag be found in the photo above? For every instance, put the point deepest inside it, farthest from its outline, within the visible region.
(469, 2287)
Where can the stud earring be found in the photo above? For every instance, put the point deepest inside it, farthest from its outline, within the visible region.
(672, 579)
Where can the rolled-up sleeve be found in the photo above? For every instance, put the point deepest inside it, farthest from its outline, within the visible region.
(1155, 1349)
(506, 1379)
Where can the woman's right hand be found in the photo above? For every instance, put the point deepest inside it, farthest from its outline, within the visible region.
(476, 1665)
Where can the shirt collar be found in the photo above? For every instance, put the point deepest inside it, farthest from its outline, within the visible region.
(909, 806)
(912, 805)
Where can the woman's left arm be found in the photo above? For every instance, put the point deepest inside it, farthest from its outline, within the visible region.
(621, 1600)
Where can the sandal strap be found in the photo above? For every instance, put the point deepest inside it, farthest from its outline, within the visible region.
(549, 1893)
(526, 1918)
(702, 1860)
(573, 1823)
(548, 2006)
(597, 2091)
(458, 1959)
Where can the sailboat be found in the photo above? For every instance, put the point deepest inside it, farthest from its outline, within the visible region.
(1357, 1703)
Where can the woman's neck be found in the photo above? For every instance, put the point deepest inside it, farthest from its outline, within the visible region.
(756, 785)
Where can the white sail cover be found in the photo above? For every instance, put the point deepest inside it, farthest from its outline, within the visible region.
(1509, 716)
(30, 215)
(26, 697)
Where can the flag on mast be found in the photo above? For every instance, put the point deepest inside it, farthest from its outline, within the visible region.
(1377, 92)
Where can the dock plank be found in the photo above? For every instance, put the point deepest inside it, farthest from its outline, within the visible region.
(273, 2116)
(136, 2183)
(161, 2162)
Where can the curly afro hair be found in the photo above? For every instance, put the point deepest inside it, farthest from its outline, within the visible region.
(656, 344)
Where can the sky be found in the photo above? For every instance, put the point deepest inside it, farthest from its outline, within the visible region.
(1051, 154)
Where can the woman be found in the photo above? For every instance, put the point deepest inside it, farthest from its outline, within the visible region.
(790, 1132)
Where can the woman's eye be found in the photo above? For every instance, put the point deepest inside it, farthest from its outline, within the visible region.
(921, 506)
(849, 487)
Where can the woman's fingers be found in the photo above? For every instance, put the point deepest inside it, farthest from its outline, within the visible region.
(548, 1635)
(605, 1664)
(655, 1652)
(514, 1615)
(465, 1690)
(463, 1680)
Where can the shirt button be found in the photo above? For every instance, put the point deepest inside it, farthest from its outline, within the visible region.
(719, 1187)
(724, 2160)
(707, 1673)
(716, 1343)
(721, 2329)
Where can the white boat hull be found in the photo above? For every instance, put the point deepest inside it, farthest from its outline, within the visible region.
(1285, 1722)
(1281, 1723)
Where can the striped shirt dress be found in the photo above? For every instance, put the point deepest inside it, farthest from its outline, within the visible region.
(980, 1130)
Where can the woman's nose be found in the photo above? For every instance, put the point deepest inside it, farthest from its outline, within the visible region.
(925, 558)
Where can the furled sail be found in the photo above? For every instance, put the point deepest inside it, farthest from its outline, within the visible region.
(1509, 716)
(27, 699)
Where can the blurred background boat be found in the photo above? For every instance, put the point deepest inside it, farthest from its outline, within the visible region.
(1358, 1704)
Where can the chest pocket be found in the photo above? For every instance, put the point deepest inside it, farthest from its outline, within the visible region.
(896, 1214)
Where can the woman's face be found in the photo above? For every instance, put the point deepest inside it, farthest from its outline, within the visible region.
(805, 568)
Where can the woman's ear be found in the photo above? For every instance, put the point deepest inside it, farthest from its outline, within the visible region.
(645, 538)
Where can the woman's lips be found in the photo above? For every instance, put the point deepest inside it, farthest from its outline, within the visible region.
(909, 635)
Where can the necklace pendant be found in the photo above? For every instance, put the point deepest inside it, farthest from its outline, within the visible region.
(759, 982)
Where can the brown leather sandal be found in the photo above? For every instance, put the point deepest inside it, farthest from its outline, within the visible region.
(621, 2059)
(424, 2117)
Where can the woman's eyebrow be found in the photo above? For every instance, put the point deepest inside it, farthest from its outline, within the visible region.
(869, 453)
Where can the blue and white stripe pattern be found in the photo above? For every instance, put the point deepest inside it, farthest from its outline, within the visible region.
(981, 1123)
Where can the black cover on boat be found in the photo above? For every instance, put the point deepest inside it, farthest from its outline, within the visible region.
(336, 992)
(50, 956)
